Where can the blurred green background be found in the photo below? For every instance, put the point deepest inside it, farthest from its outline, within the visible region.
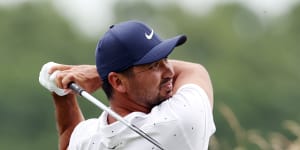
(252, 58)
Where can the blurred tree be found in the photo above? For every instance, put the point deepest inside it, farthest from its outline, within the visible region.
(31, 35)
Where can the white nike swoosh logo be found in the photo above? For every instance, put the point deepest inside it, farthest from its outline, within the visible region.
(149, 36)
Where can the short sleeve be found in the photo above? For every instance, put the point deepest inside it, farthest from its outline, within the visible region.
(192, 108)
(82, 132)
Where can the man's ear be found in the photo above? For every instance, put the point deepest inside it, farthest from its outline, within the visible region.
(117, 82)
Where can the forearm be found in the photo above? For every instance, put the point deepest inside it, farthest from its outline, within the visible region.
(187, 72)
(68, 115)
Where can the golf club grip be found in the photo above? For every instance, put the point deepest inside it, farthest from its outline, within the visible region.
(76, 88)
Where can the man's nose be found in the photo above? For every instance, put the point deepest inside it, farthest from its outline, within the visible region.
(167, 68)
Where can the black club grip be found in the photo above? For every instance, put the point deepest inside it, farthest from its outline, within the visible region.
(76, 88)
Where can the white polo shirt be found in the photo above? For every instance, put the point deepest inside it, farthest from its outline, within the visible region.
(183, 122)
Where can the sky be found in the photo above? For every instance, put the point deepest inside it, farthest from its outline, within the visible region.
(91, 16)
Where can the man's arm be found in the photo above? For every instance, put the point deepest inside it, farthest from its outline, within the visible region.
(67, 110)
(68, 115)
(187, 72)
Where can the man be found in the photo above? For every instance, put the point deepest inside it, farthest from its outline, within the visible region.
(170, 100)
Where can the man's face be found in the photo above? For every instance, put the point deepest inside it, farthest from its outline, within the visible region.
(152, 83)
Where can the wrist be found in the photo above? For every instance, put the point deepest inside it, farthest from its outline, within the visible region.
(63, 100)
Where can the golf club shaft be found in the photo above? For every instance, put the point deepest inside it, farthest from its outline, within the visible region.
(95, 101)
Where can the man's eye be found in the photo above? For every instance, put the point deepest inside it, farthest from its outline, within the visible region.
(154, 66)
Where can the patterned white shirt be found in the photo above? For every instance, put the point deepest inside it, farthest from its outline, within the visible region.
(183, 122)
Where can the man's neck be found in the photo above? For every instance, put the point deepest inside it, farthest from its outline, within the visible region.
(123, 107)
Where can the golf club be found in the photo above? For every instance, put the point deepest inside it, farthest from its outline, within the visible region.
(76, 88)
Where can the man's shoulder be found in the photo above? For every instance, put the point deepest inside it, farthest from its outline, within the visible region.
(188, 98)
(83, 131)
(190, 87)
(86, 127)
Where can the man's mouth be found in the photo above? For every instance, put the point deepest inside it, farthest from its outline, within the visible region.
(168, 85)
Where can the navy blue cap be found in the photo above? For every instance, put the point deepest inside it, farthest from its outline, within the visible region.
(131, 43)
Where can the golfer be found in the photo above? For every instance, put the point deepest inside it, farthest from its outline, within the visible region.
(170, 100)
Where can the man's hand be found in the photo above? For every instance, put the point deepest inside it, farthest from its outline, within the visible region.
(56, 77)
(47, 79)
(85, 76)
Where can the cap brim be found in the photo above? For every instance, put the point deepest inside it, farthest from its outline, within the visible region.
(162, 50)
